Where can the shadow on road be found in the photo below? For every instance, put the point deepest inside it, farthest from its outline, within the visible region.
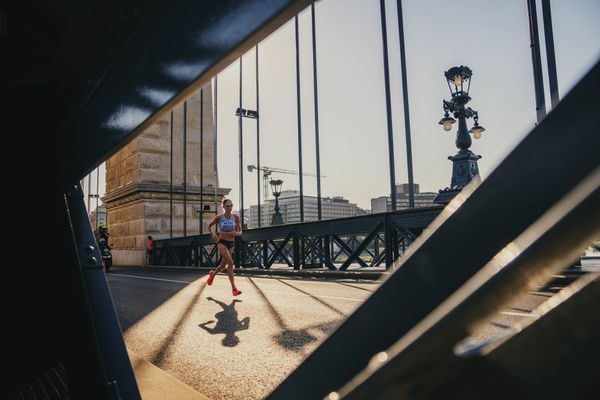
(145, 292)
(357, 287)
(294, 339)
(177, 328)
(315, 298)
(227, 323)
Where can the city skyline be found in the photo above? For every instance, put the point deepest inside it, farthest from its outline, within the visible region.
(493, 41)
(289, 207)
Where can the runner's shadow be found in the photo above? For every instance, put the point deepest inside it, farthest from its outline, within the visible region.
(227, 323)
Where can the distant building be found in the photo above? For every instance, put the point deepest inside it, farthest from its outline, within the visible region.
(289, 207)
(384, 203)
(246, 217)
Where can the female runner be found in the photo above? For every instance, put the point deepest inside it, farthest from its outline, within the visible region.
(228, 227)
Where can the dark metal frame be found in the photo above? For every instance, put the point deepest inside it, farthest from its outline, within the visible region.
(171, 175)
(299, 118)
(258, 178)
(184, 179)
(201, 210)
(102, 323)
(388, 105)
(536, 61)
(240, 115)
(316, 109)
(550, 54)
(517, 205)
(544, 196)
(181, 20)
(405, 103)
(367, 241)
(541, 249)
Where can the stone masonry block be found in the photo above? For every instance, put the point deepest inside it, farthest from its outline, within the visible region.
(140, 242)
(153, 225)
(129, 257)
(152, 160)
(154, 145)
(132, 163)
(177, 225)
(117, 242)
(177, 210)
(118, 229)
(137, 227)
(129, 178)
(156, 209)
(155, 175)
(152, 132)
(129, 149)
(136, 211)
(128, 242)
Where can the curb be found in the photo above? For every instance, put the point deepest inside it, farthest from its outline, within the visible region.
(156, 384)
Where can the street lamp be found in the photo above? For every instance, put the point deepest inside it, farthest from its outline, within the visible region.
(277, 218)
(246, 113)
(242, 113)
(464, 167)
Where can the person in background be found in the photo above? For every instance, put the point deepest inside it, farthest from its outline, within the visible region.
(149, 248)
(104, 247)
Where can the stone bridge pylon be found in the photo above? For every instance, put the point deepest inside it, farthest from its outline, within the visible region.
(145, 185)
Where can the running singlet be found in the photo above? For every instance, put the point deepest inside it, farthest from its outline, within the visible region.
(227, 225)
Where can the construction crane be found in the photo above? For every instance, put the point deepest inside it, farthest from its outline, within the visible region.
(267, 172)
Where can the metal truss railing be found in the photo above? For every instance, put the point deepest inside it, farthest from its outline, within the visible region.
(363, 242)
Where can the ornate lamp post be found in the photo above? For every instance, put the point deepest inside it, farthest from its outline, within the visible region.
(464, 167)
(277, 218)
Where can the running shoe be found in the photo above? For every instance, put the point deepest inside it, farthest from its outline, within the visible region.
(211, 276)
(236, 292)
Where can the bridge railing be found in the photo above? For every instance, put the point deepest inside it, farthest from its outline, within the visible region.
(366, 241)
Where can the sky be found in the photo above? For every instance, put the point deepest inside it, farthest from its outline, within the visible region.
(491, 37)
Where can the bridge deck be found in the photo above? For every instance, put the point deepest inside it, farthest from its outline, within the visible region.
(242, 348)
(225, 347)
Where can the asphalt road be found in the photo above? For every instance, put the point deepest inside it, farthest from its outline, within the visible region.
(226, 347)
(243, 347)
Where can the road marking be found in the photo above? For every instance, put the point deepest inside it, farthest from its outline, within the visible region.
(270, 291)
(152, 279)
(320, 297)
